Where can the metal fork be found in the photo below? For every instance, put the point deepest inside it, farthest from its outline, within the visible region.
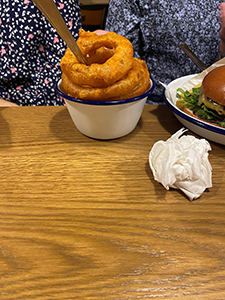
(51, 12)
(193, 56)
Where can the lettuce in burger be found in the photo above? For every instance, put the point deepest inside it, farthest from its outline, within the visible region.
(207, 100)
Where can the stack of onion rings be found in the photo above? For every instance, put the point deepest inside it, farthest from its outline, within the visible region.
(112, 74)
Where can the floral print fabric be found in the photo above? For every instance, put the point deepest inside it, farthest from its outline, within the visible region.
(156, 28)
(30, 51)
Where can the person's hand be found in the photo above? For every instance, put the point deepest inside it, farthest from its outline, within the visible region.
(222, 28)
(101, 32)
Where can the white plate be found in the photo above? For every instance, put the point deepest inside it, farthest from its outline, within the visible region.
(206, 130)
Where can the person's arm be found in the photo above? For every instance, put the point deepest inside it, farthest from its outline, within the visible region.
(124, 18)
(43, 49)
(222, 31)
(4, 103)
(100, 31)
(54, 48)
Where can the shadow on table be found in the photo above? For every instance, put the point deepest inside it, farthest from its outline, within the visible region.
(167, 119)
(63, 128)
(5, 134)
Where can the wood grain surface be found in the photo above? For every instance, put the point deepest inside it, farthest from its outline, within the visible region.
(84, 219)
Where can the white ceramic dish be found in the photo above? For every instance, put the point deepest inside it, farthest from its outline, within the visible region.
(206, 130)
(105, 119)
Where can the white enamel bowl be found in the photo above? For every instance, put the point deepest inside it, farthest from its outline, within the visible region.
(105, 119)
(204, 129)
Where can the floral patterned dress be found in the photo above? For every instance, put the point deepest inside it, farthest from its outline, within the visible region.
(156, 28)
(30, 51)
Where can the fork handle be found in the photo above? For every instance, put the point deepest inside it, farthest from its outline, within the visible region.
(51, 12)
(193, 56)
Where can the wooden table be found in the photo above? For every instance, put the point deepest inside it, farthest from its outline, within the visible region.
(84, 219)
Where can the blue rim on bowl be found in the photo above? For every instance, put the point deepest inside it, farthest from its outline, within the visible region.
(106, 102)
(191, 119)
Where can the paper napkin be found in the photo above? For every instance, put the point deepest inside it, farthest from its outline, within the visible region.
(181, 162)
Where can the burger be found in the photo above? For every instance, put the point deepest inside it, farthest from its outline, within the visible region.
(207, 100)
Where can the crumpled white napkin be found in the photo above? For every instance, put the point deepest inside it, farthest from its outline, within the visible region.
(181, 162)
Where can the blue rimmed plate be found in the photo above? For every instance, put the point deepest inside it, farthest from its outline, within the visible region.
(204, 129)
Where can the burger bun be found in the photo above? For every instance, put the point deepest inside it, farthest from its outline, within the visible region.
(213, 85)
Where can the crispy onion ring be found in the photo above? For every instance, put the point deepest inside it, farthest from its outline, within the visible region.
(105, 73)
(112, 73)
(133, 84)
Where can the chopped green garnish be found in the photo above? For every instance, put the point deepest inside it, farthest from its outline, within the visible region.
(191, 101)
(222, 124)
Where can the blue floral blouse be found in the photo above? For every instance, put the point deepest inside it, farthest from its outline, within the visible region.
(31, 50)
(156, 28)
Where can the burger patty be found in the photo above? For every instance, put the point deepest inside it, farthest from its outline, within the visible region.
(211, 104)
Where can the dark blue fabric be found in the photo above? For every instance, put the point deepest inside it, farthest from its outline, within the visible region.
(156, 28)
(31, 50)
